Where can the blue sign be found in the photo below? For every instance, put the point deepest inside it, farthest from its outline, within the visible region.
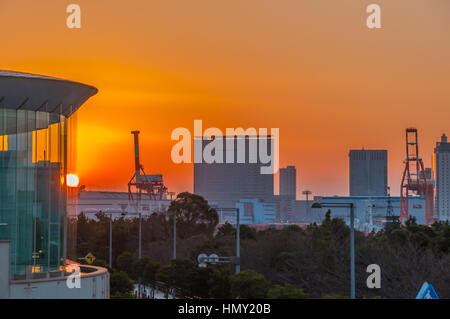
(427, 292)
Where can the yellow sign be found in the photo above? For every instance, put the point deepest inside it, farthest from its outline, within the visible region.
(89, 258)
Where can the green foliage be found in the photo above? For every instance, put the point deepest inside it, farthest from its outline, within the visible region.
(226, 230)
(220, 284)
(334, 296)
(249, 284)
(286, 292)
(150, 270)
(120, 283)
(138, 267)
(125, 262)
(194, 215)
(247, 232)
(315, 258)
(125, 295)
(293, 228)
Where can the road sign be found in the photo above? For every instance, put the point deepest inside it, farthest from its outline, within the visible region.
(202, 258)
(427, 292)
(89, 258)
(213, 258)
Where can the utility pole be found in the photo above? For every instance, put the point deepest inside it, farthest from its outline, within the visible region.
(140, 235)
(110, 240)
(238, 242)
(352, 251)
(174, 235)
(140, 252)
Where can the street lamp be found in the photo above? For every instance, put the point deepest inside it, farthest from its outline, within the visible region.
(352, 239)
(110, 240)
(140, 246)
(174, 234)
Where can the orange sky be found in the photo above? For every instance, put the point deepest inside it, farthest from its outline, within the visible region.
(310, 68)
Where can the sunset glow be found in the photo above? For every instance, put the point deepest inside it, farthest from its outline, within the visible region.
(72, 180)
(329, 87)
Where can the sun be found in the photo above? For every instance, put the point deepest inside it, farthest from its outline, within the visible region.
(72, 180)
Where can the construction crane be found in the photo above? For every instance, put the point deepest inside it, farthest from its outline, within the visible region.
(414, 179)
(152, 185)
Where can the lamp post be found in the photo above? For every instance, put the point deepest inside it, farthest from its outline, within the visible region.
(174, 235)
(238, 241)
(352, 239)
(139, 246)
(110, 240)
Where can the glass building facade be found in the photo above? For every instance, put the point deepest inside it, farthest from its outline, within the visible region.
(33, 167)
(33, 162)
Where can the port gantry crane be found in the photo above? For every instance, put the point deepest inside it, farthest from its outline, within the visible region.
(414, 179)
(151, 184)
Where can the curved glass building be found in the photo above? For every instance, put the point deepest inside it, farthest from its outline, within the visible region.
(34, 112)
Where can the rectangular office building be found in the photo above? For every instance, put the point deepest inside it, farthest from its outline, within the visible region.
(288, 182)
(239, 176)
(442, 170)
(368, 172)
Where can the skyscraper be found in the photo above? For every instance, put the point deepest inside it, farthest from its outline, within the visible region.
(368, 172)
(442, 171)
(288, 182)
(224, 184)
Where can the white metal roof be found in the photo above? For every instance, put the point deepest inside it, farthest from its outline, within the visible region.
(42, 93)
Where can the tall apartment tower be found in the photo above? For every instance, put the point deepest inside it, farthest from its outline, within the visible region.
(224, 184)
(368, 172)
(288, 182)
(442, 171)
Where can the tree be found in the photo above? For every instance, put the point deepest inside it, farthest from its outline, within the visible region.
(120, 284)
(125, 262)
(286, 292)
(334, 296)
(150, 271)
(249, 284)
(165, 275)
(182, 275)
(138, 267)
(220, 284)
(194, 215)
(247, 232)
(226, 230)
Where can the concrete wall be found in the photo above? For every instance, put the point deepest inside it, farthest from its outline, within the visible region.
(92, 286)
(4, 268)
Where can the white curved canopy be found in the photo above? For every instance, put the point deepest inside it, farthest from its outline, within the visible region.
(23, 91)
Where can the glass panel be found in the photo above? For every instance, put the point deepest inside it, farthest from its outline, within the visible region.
(32, 189)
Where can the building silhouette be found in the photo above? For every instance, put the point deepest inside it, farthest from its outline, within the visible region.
(442, 171)
(368, 172)
(224, 184)
(288, 182)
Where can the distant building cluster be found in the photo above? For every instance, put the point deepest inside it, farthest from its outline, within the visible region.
(228, 186)
(117, 204)
(241, 186)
